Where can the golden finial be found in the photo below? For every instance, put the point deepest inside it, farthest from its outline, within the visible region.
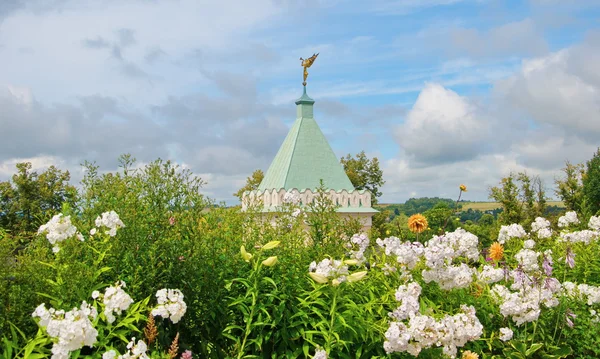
(306, 63)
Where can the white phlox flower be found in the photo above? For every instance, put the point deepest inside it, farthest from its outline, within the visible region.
(291, 198)
(440, 252)
(506, 334)
(331, 269)
(115, 301)
(320, 354)
(135, 350)
(407, 254)
(111, 221)
(58, 229)
(361, 242)
(512, 231)
(541, 227)
(594, 223)
(528, 259)
(70, 330)
(408, 296)
(585, 236)
(423, 332)
(568, 219)
(490, 274)
(523, 305)
(529, 244)
(170, 305)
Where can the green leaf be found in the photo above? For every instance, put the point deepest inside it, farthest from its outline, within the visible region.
(533, 348)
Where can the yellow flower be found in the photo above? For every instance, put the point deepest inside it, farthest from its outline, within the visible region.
(417, 223)
(269, 262)
(245, 255)
(469, 355)
(355, 277)
(271, 245)
(463, 188)
(321, 279)
(496, 251)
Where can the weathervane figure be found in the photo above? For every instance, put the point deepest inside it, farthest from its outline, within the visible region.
(306, 63)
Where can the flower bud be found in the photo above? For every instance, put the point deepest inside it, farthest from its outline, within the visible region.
(269, 262)
(335, 282)
(245, 255)
(355, 277)
(321, 279)
(271, 245)
(351, 262)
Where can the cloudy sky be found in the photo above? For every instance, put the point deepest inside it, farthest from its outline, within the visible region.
(444, 92)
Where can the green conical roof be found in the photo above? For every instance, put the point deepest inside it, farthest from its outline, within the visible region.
(305, 157)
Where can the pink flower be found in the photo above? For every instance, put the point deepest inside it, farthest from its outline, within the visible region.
(570, 258)
(181, 258)
(171, 220)
(186, 355)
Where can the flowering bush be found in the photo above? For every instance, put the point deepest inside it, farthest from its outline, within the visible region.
(253, 289)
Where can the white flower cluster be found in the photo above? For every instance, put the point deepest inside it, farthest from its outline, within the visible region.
(331, 269)
(595, 316)
(524, 305)
(58, 229)
(291, 198)
(423, 332)
(512, 231)
(109, 220)
(407, 254)
(568, 219)
(408, 296)
(450, 276)
(594, 223)
(541, 227)
(528, 259)
(72, 330)
(490, 274)
(115, 301)
(585, 236)
(585, 292)
(134, 351)
(506, 334)
(529, 244)
(360, 241)
(320, 354)
(440, 252)
(170, 304)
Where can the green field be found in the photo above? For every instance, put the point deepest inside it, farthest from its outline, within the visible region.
(488, 206)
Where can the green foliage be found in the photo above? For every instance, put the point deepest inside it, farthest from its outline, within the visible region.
(520, 204)
(364, 173)
(420, 205)
(252, 183)
(175, 238)
(31, 199)
(591, 184)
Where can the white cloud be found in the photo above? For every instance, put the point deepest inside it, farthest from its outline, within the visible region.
(442, 127)
(562, 89)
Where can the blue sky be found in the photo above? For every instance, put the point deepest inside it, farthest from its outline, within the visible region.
(443, 92)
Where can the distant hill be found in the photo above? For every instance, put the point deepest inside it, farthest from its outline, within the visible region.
(489, 206)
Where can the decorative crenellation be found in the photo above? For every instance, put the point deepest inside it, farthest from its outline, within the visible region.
(275, 198)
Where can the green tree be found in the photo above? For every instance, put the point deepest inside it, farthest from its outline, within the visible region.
(252, 183)
(520, 204)
(507, 194)
(364, 173)
(570, 188)
(591, 184)
(31, 199)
